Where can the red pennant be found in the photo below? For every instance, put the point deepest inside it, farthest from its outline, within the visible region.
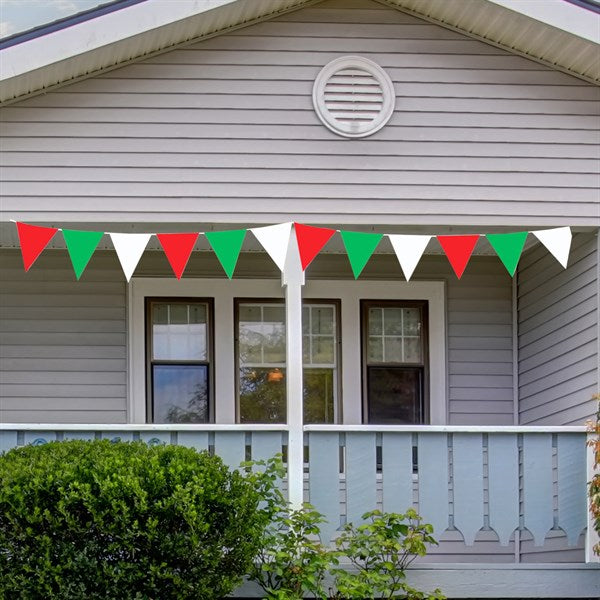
(458, 249)
(33, 240)
(177, 247)
(310, 241)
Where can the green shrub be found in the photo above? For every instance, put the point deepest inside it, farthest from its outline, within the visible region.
(100, 520)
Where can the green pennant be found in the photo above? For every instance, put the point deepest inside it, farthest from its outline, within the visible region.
(360, 246)
(227, 246)
(508, 247)
(81, 246)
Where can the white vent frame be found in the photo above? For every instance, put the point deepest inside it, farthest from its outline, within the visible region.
(352, 128)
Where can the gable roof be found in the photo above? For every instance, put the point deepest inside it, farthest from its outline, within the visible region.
(557, 33)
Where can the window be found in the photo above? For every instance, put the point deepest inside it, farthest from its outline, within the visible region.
(179, 349)
(261, 349)
(394, 362)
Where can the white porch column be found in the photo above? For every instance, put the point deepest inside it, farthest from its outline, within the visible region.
(292, 281)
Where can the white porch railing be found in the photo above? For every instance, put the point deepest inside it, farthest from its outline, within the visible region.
(465, 479)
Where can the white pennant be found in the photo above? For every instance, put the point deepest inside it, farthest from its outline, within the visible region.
(129, 248)
(409, 249)
(557, 241)
(274, 239)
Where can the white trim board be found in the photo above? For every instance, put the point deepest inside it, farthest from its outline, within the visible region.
(350, 293)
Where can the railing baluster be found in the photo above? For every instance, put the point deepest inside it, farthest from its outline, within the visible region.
(8, 440)
(324, 479)
(79, 435)
(265, 444)
(433, 480)
(467, 461)
(503, 486)
(231, 447)
(39, 437)
(571, 485)
(537, 485)
(155, 437)
(193, 439)
(397, 471)
(361, 483)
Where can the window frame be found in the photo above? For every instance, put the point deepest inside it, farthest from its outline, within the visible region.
(337, 401)
(150, 362)
(423, 305)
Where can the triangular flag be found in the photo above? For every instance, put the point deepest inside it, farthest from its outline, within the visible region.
(227, 246)
(557, 241)
(274, 239)
(310, 241)
(409, 249)
(458, 249)
(129, 248)
(177, 247)
(508, 247)
(81, 246)
(360, 246)
(33, 239)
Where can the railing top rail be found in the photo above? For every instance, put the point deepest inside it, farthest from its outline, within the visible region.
(282, 427)
(140, 427)
(447, 428)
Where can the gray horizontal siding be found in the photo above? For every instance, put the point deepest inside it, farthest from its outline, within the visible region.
(558, 335)
(62, 343)
(224, 130)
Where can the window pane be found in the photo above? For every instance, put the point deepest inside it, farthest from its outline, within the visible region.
(412, 350)
(179, 331)
(375, 351)
(319, 395)
(262, 395)
(412, 321)
(393, 350)
(395, 395)
(392, 321)
(322, 350)
(375, 316)
(322, 319)
(180, 393)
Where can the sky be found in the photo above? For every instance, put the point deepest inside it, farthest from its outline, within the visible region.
(21, 15)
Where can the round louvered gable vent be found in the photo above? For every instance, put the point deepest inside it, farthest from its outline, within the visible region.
(353, 96)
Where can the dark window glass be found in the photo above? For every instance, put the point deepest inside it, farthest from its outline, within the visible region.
(178, 371)
(394, 361)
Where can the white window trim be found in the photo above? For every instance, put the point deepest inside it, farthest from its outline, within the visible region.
(350, 293)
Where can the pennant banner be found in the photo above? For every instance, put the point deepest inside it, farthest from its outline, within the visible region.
(129, 248)
(557, 242)
(359, 247)
(275, 239)
(33, 240)
(227, 246)
(508, 247)
(409, 249)
(310, 241)
(458, 249)
(81, 246)
(178, 248)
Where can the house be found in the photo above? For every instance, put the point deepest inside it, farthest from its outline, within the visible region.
(463, 396)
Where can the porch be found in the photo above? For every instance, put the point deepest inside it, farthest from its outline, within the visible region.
(508, 504)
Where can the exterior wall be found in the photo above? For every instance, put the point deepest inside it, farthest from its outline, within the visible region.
(558, 335)
(224, 131)
(64, 342)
